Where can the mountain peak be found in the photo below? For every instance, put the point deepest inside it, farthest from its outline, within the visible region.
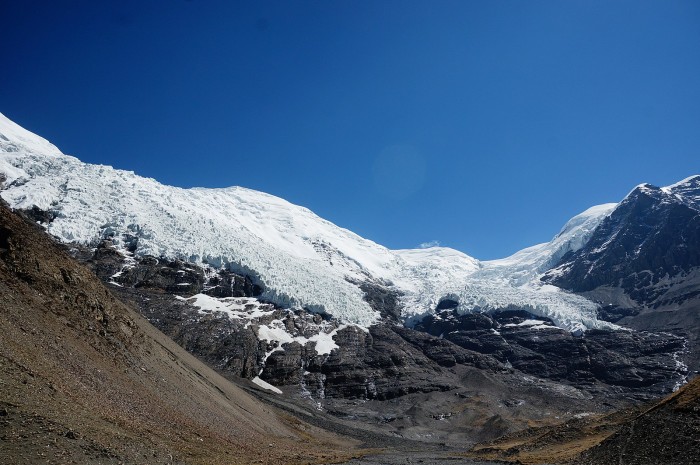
(646, 187)
(297, 258)
(14, 138)
(689, 182)
(686, 191)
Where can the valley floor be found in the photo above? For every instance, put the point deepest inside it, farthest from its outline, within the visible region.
(394, 457)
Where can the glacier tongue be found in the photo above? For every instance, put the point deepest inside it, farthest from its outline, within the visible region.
(300, 259)
(511, 282)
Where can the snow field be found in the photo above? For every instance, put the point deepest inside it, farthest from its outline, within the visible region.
(300, 259)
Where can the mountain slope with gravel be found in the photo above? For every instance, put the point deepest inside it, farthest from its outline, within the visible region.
(661, 432)
(85, 379)
(424, 345)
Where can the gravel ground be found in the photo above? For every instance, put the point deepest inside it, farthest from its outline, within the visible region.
(415, 457)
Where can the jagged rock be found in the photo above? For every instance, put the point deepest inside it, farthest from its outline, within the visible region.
(635, 360)
(389, 360)
(642, 264)
(38, 215)
(380, 365)
(648, 237)
(228, 284)
(381, 299)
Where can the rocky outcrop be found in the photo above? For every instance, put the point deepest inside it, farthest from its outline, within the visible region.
(643, 362)
(642, 264)
(174, 276)
(665, 433)
(381, 363)
(388, 360)
(649, 237)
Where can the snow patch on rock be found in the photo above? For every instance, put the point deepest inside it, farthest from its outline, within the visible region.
(266, 385)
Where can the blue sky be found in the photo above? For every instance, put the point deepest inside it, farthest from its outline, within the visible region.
(481, 125)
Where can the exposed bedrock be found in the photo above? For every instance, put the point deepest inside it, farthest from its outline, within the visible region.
(388, 360)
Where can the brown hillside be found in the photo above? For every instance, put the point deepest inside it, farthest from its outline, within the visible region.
(84, 379)
(666, 433)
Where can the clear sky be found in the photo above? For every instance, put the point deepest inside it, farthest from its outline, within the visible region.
(483, 125)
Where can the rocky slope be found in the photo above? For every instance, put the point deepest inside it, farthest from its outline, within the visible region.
(475, 376)
(662, 432)
(85, 379)
(423, 344)
(668, 432)
(642, 264)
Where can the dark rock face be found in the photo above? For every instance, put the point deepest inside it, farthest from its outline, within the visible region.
(642, 264)
(380, 365)
(385, 362)
(634, 360)
(615, 313)
(228, 284)
(377, 364)
(389, 360)
(38, 215)
(381, 300)
(172, 276)
(221, 342)
(650, 236)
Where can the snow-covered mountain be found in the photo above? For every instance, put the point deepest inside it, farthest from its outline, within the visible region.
(651, 236)
(299, 259)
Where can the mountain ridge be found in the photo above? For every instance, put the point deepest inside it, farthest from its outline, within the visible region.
(265, 290)
(294, 255)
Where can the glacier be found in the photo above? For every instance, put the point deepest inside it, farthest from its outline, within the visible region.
(300, 259)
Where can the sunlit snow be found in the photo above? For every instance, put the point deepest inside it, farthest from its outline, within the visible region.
(249, 309)
(300, 259)
(245, 308)
(266, 385)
